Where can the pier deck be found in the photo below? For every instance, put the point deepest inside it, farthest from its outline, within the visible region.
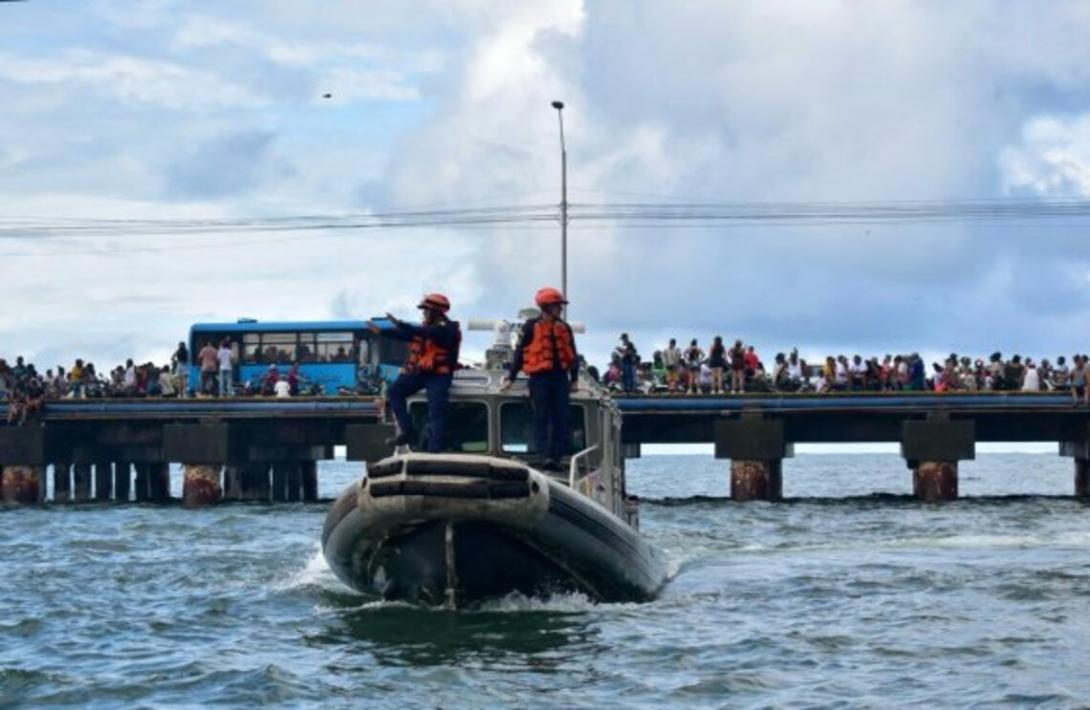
(269, 448)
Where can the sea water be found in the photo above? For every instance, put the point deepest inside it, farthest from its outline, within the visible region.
(850, 592)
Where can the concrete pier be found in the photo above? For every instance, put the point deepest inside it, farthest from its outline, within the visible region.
(310, 481)
(104, 481)
(934, 481)
(62, 481)
(81, 479)
(122, 481)
(756, 480)
(756, 448)
(932, 448)
(255, 481)
(21, 485)
(1082, 478)
(201, 485)
(159, 481)
(142, 487)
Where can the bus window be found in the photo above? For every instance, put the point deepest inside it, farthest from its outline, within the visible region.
(517, 428)
(334, 347)
(467, 427)
(307, 350)
(364, 350)
(278, 347)
(251, 348)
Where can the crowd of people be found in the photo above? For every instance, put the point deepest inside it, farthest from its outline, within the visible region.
(721, 369)
(737, 368)
(24, 387)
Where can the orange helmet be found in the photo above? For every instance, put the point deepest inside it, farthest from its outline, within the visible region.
(437, 301)
(549, 297)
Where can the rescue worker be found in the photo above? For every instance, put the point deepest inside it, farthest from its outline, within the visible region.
(433, 357)
(546, 352)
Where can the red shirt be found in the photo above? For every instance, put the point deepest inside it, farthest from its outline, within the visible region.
(752, 360)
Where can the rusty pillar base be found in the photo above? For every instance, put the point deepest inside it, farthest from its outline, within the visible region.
(935, 480)
(21, 485)
(756, 480)
(1082, 478)
(310, 481)
(62, 482)
(201, 485)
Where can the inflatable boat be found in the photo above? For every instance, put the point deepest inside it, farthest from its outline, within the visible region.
(482, 521)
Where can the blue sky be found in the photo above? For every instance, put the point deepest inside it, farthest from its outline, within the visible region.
(181, 110)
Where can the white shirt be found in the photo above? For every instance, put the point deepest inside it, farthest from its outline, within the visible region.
(794, 370)
(671, 356)
(130, 377)
(282, 388)
(1031, 382)
(224, 355)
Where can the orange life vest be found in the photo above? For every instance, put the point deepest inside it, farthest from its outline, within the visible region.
(549, 349)
(427, 357)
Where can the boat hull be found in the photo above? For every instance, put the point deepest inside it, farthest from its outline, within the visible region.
(457, 529)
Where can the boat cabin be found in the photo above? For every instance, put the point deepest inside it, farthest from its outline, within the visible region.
(483, 420)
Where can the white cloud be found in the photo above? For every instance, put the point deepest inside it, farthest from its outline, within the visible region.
(129, 79)
(1052, 159)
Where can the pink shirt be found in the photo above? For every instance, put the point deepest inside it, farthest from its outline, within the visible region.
(208, 358)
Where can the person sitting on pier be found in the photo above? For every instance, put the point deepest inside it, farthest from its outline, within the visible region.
(1031, 380)
(1057, 376)
(546, 352)
(433, 358)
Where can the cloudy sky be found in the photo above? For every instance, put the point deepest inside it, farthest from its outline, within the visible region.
(122, 109)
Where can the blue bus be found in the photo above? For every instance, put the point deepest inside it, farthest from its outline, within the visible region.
(332, 354)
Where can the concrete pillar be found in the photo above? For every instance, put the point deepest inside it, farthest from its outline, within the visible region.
(280, 471)
(232, 481)
(62, 481)
(122, 480)
(934, 481)
(1082, 478)
(932, 448)
(142, 489)
(255, 484)
(159, 481)
(756, 448)
(104, 480)
(201, 484)
(295, 481)
(21, 485)
(310, 481)
(81, 478)
(756, 480)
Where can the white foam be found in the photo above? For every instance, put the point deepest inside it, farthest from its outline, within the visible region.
(315, 573)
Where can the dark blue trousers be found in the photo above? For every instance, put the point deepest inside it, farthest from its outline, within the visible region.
(550, 394)
(438, 387)
(628, 376)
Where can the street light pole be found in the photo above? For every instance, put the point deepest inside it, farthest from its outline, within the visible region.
(559, 106)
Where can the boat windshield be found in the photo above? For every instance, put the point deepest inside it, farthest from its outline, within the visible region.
(466, 430)
(516, 428)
